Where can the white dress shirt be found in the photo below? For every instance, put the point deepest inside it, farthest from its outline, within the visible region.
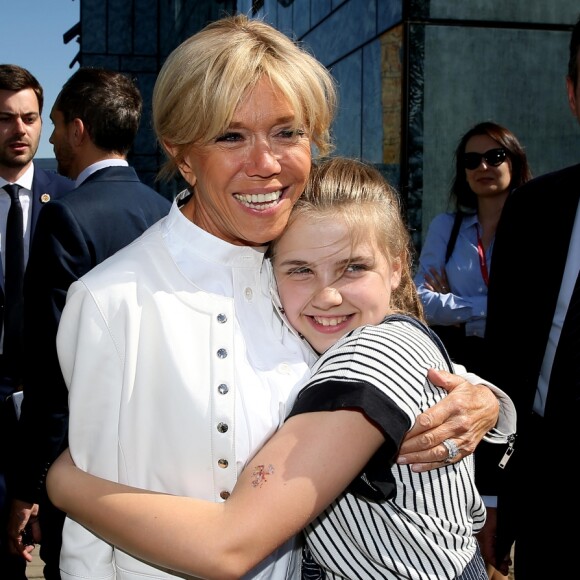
(25, 195)
(566, 289)
(99, 165)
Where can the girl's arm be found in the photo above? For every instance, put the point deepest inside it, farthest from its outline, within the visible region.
(299, 472)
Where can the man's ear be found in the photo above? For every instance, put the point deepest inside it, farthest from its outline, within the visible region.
(77, 132)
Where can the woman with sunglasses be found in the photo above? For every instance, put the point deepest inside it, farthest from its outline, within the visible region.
(454, 264)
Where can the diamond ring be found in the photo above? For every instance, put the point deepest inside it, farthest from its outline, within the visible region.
(452, 449)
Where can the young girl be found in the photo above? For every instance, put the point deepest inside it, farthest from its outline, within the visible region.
(342, 268)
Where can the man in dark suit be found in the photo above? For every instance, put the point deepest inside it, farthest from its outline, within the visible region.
(96, 116)
(21, 101)
(532, 297)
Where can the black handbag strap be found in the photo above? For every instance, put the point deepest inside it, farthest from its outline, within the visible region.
(454, 234)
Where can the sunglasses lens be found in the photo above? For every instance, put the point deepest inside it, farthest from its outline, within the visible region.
(493, 157)
(472, 160)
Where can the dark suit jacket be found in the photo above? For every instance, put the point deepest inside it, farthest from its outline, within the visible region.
(47, 186)
(105, 213)
(528, 261)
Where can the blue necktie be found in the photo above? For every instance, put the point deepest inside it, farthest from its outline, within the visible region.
(13, 284)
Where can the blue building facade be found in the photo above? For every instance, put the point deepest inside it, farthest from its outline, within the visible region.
(413, 75)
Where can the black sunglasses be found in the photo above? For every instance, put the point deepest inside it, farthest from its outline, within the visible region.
(493, 157)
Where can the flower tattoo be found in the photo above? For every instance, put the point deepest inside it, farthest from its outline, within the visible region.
(260, 474)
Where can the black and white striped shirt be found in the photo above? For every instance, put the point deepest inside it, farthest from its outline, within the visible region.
(391, 522)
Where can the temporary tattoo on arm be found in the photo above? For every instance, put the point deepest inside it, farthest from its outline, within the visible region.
(260, 474)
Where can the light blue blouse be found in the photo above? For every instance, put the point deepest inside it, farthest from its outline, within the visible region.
(466, 301)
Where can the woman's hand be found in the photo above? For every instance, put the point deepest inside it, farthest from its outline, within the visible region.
(436, 281)
(464, 417)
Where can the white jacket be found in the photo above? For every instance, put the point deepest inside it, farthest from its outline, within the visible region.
(179, 370)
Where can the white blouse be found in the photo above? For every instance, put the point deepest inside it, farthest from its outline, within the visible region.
(179, 370)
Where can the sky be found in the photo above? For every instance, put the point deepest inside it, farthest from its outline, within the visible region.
(32, 32)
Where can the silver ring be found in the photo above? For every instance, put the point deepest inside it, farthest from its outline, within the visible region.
(452, 449)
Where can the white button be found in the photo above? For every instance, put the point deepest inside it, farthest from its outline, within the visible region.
(248, 293)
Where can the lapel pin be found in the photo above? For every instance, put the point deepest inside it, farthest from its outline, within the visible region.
(45, 197)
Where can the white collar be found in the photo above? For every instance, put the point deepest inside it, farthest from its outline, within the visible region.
(99, 165)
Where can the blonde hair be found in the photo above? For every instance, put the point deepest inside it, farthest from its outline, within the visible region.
(205, 78)
(360, 195)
